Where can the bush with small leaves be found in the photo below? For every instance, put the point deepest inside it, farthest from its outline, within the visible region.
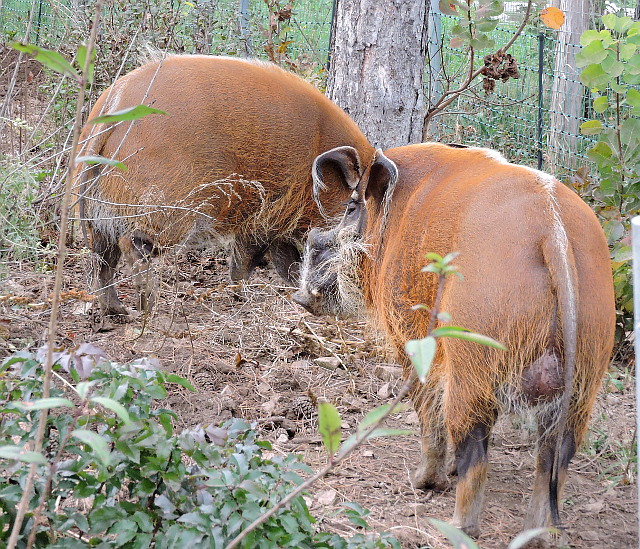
(114, 474)
(611, 70)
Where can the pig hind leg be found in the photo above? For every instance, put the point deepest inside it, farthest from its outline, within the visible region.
(139, 250)
(472, 466)
(541, 506)
(430, 473)
(103, 273)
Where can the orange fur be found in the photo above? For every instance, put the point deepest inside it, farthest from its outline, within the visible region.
(537, 278)
(495, 214)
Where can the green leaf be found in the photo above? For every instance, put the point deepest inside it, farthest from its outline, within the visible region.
(462, 333)
(613, 230)
(44, 404)
(618, 88)
(612, 67)
(142, 541)
(82, 57)
(609, 20)
(375, 414)
(96, 159)
(17, 453)
(83, 387)
(622, 253)
(482, 42)
(633, 98)
(487, 25)
(387, 432)
(97, 443)
(622, 24)
(591, 127)
(461, 32)
(421, 352)
(329, 426)
(589, 36)
(600, 104)
(457, 537)
(165, 421)
(634, 64)
(593, 53)
(600, 152)
(49, 58)
(627, 51)
(132, 113)
(525, 537)
(114, 406)
(173, 378)
(594, 77)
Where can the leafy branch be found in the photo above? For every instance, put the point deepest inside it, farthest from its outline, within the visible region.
(481, 19)
(86, 54)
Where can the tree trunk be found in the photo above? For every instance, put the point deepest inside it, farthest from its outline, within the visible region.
(378, 56)
(567, 92)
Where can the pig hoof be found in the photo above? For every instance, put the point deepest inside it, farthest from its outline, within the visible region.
(428, 481)
(472, 530)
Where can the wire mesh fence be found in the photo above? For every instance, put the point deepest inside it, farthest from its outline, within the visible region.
(547, 96)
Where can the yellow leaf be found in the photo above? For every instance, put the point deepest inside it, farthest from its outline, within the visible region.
(552, 17)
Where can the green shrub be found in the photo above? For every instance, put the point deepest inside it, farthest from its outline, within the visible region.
(20, 226)
(121, 477)
(611, 70)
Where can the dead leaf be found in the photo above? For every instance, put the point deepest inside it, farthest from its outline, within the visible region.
(552, 17)
(270, 406)
(239, 361)
(384, 391)
(326, 497)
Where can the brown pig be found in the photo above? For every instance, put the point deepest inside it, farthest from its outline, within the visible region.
(231, 159)
(536, 277)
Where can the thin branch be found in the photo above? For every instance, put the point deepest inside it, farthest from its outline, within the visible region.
(53, 321)
(14, 77)
(450, 96)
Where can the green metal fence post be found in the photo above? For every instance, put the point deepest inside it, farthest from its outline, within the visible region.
(540, 96)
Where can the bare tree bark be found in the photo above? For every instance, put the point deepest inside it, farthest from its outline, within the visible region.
(378, 59)
(567, 91)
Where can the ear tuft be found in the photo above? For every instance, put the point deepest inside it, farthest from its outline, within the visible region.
(383, 177)
(345, 160)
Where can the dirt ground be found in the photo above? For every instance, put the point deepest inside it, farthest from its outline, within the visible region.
(251, 352)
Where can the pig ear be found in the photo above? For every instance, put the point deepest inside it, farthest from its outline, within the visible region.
(343, 160)
(381, 183)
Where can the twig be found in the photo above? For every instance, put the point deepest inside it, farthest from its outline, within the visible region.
(450, 96)
(53, 322)
(362, 437)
